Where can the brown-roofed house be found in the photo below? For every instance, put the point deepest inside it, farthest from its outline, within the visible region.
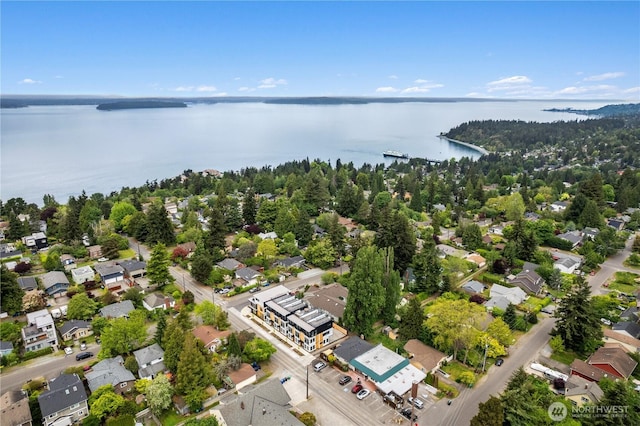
(244, 376)
(614, 361)
(628, 343)
(424, 357)
(582, 391)
(586, 371)
(331, 298)
(14, 406)
(210, 336)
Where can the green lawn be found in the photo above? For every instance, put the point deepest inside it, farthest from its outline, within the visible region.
(625, 282)
(455, 368)
(565, 357)
(535, 303)
(171, 418)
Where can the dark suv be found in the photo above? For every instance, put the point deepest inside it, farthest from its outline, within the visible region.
(344, 380)
(83, 355)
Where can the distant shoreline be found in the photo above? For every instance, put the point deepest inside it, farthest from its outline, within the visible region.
(477, 148)
(113, 106)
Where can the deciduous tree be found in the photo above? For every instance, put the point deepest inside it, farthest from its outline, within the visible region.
(81, 307)
(10, 292)
(159, 394)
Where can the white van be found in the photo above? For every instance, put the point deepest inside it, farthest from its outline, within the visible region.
(319, 366)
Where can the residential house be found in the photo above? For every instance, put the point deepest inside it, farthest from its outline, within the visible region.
(27, 283)
(331, 298)
(248, 276)
(445, 250)
(514, 295)
(5, 348)
(587, 371)
(389, 371)
(629, 328)
(230, 264)
(630, 314)
(528, 280)
(189, 247)
(111, 371)
(243, 377)
(95, 252)
(614, 339)
(264, 404)
(14, 409)
(613, 360)
(55, 283)
(318, 232)
(566, 265)
(9, 250)
(423, 357)
(574, 237)
(158, 301)
(83, 274)
(581, 391)
(40, 331)
(75, 330)
(118, 310)
(480, 261)
(211, 337)
(133, 268)
(35, 241)
(351, 348)
(617, 224)
(67, 261)
(473, 287)
(558, 206)
(268, 235)
(496, 230)
(65, 402)
(499, 302)
(110, 273)
(150, 361)
(291, 262)
(590, 233)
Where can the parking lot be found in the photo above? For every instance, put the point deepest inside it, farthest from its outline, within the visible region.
(372, 404)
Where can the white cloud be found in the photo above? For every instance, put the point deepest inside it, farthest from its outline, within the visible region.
(393, 77)
(510, 81)
(632, 90)
(245, 89)
(425, 88)
(270, 83)
(386, 89)
(206, 89)
(183, 89)
(597, 90)
(605, 76)
(29, 81)
(420, 81)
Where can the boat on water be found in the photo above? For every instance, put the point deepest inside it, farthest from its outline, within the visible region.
(395, 154)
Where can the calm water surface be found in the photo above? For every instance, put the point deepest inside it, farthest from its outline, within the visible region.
(61, 150)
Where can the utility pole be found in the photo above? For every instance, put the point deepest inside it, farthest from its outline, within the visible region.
(484, 361)
(307, 382)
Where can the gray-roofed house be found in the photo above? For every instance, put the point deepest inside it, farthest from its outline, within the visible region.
(158, 301)
(40, 331)
(117, 310)
(27, 283)
(630, 314)
(65, 402)
(14, 409)
(264, 404)
(111, 371)
(514, 295)
(75, 330)
(500, 302)
(331, 298)
(528, 280)
(291, 262)
(248, 276)
(5, 348)
(629, 328)
(473, 286)
(582, 391)
(230, 264)
(567, 265)
(110, 273)
(134, 268)
(574, 237)
(617, 224)
(83, 274)
(55, 283)
(352, 348)
(150, 361)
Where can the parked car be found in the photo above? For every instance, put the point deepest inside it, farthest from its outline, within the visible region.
(68, 350)
(416, 402)
(319, 366)
(499, 362)
(406, 412)
(255, 366)
(83, 355)
(344, 380)
(357, 388)
(605, 321)
(363, 394)
(225, 291)
(83, 346)
(254, 289)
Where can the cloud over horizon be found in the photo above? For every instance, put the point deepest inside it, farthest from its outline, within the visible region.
(29, 81)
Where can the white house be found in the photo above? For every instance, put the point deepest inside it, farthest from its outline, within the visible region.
(514, 295)
(150, 361)
(40, 331)
(158, 301)
(566, 265)
(82, 274)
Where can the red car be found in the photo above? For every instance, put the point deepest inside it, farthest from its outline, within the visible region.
(357, 388)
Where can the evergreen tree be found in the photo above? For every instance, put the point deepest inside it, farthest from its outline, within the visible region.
(510, 316)
(303, 229)
(10, 292)
(366, 294)
(590, 215)
(214, 238)
(158, 266)
(392, 289)
(427, 269)
(577, 320)
(201, 267)
(412, 320)
(491, 413)
(194, 372)
(233, 345)
(160, 328)
(249, 207)
(416, 198)
(173, 340)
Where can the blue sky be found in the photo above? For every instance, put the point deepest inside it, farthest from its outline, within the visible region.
(572, 50)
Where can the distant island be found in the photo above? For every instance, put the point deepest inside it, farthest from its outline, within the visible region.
(111, 106)
(606, 111)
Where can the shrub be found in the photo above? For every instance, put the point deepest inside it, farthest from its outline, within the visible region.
(329, 277)
(35, 354)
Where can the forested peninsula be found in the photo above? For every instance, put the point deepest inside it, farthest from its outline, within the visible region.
(112, 106)
(605, 111)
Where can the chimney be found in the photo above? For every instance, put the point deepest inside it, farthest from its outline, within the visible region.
(264, 411)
